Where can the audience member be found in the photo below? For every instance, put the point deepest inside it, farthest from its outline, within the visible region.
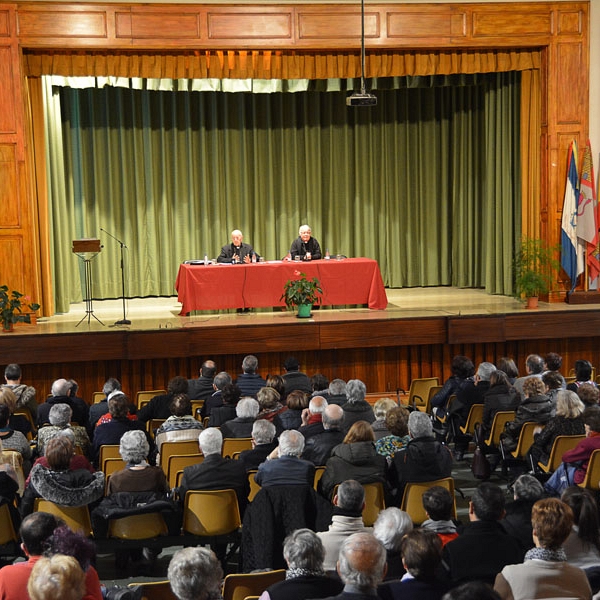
(14, 440)
(25, 394)
(11, 487)
(110, 388)
(312, 417)
(195, 574)
(263, 434)
(16, 422)
(60, 419)
(305, 247)
(246, 411)
(589, 394)
(318, 447)
(527, 490)
(391, 526)
(159, 406)
(355, 458)
(219, 382)
(483, 548)
(288, 468)
(215, 472)
(396, 421)
(361, 567)
(535, 407)
(277, 382)
(250, 381)
(500, 396)
(380, 410)
(230, 396)
(270, 405)
(56, 578)
(568, 420)
(509, 367)
(462, 369)
(319, 383)
(181, 425)
(439, 506)
(582, 546)
(60, 395)
(336, 392)
(111, 431)
(545, 572)
(58, 483)
(293, 378)
(348, 503)
(422, 555)
(297, 401)
(554, 383)
(553, 362)
(305, 578)
(534, 367)
(357, 408)
(202, 388)
(583, 374)
(423, 458)
(472, 590)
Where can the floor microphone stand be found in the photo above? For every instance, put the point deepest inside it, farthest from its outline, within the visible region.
(124, 320)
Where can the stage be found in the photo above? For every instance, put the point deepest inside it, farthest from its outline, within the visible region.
(415, 336)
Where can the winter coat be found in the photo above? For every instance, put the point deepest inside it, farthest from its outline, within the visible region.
(498, 398)
(535, 409)
(357, 411)
(358, 461)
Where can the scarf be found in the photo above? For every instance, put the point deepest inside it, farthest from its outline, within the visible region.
(546, 554)
(294, 572)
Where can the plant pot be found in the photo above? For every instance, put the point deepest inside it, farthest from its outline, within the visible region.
(8, 327)
(304, 311)
(532, 302)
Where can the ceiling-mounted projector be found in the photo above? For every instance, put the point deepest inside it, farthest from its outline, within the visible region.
(361, 99)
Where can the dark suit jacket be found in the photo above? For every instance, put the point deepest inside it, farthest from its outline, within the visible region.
(228, 251)
(318, 447)
(251, 459)
(200, 388)
(250, 383)
(240, 427)
(286, 470)
(210, 403)
(80, 412)
(157, 408)
(217, 473)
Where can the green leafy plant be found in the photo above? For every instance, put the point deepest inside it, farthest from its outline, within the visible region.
(11, 305)
(301, 291)
(533, 268)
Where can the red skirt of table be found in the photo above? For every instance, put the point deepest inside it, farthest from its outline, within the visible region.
(221, 286)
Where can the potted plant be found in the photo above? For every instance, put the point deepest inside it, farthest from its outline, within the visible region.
(534, 265)
(11, 305)
(302, 293)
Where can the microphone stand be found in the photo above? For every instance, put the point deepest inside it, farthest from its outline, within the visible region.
(124, 320)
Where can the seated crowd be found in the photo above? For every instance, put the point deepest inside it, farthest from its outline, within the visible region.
(315, 445)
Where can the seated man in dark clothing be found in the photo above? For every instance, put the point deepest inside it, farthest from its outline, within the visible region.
(422, 459)
(201, 388)
(60, 395)
(160, 406)
(263, 434)
(484, 548)
(230, 396)
(293, 378)
(250, 381)
(318, 447)
(246, 412)
(220, 381)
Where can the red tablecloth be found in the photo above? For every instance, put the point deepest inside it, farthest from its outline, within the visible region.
(215, 287)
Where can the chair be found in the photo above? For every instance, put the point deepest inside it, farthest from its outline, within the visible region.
(238, 586)
(418, 394)
(108, 451)
(412, 499)
(501, 418)
(561, 444)
(137, 527)
(154, 590)
(8, 535)
(475, 416)
(196, 408)
(524, 442)
(433, 390)
(152, 425)
(592, 473)
(178, 462)
(27, 415)
(143, 397)
(318, 474)
(212, 514)
(112, 465)
(254, 487)
(231, 445)
(182, 447)
(76, 517)
(98, 397)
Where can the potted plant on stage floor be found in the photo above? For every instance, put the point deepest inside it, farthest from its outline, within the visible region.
(302, 292)
(534, 267)
(11, 305)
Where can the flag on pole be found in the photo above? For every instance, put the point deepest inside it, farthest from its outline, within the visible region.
(587, 212)
(571, 255)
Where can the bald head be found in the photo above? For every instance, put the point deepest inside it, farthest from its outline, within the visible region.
(362, 561)
(317, 405)
(333, 417)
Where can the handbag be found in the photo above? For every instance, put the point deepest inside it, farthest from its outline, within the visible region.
(480, 467)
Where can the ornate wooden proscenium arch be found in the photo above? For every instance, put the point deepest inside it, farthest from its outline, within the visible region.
(313, 41)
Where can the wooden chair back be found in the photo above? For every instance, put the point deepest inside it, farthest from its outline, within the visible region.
(168, 449)
(8, 534)
(412, 499)
(475, 416)
(418, 394)
(209, 513)
(137, 527)
(154, 590)
(144, 396)
(75, 517)
(98, 397)
(501, 418)
(108, 451)
(525, 440)
(238, 586)
(592, 473)
(231, 445)
(254, 487)
(178, 462)
(561, 444)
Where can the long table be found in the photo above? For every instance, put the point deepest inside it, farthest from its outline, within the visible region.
(221, 286)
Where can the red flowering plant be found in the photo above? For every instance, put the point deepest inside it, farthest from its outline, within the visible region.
(301, 291)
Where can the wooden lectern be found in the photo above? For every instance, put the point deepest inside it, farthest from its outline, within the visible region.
(87, 249)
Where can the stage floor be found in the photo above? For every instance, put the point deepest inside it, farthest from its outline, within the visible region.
(160, 313)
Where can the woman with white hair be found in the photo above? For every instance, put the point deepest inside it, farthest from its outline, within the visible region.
(246, 411)
(138, 475)
(195, 574)
(391, 526)
(304, 553)
(60, 419)
(357, 408)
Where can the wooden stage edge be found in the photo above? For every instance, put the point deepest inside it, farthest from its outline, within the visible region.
(414, 317)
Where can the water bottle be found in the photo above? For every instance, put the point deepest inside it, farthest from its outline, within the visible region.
(254, 257)
(206, 259)
(327, 257)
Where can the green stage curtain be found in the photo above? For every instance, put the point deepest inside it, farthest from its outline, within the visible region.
(427, 182)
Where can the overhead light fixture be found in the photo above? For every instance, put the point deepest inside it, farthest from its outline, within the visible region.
(362, 98)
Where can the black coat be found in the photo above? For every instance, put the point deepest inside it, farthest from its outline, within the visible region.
(496, 399)
(535, 409)
(318, 447)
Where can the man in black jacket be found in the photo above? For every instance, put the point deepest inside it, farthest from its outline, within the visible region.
(318, 447)
(202, 388)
